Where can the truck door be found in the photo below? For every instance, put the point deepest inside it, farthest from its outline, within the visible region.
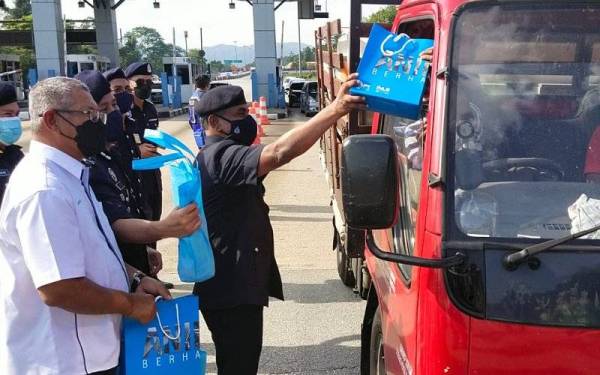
(397, 285)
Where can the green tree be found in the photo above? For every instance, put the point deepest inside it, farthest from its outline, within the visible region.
(144, 44)
(384, 15)
(194, 53)
(19, 10)
(22, 19)
(308, 54)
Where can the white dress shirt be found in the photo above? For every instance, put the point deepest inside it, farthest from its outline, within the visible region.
(50, 231)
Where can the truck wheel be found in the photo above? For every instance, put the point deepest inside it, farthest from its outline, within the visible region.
(377, 357)
(343, 266)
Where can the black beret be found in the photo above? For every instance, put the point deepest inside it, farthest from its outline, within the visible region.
(96, 82)
(114, 73)
(8, 93)
(142, 69)
(220, 98)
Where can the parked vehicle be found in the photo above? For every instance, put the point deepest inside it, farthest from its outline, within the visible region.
(294, 92)
(217, 84)
(309, 104)
(474, 223)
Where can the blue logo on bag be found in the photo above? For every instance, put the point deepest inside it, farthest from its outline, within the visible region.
(169, 344)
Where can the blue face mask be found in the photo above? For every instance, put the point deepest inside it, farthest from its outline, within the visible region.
(10, 130)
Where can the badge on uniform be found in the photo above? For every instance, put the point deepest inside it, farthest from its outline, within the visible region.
(137, 139)
(4, 173)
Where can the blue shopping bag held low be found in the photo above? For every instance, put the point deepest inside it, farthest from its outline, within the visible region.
(393, 75)
(169, 344)
(196, 262)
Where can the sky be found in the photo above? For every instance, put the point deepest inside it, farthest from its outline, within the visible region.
(220, 24)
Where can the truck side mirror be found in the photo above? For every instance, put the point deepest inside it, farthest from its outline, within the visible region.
(369, 176)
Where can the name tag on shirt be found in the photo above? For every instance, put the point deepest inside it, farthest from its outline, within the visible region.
(137, 138)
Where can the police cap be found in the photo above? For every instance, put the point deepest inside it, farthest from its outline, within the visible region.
(220, 98)
(114, 73)
(8, 93)
(138, 68)
(96, 82)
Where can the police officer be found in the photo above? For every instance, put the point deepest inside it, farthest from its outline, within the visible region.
(126, 135)
(145, 116)
(123, 207)
(10, 132)
(232, 172)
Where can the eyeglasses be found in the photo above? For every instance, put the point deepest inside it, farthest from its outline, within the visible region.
(93, 115)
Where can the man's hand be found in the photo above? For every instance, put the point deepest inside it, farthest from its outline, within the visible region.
(180, 222)
(153, 287)
(147, 150)
(344, 102)
(154, 260)
(427, 55)
(143, 308)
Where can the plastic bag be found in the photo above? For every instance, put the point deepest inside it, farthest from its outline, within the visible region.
(196, 262)
(585, 214)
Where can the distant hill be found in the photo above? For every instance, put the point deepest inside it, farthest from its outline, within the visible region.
(222, 52)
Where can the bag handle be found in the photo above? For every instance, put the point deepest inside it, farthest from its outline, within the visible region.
(397, 38)
(155, 162)
(161, 326)
(167, 141)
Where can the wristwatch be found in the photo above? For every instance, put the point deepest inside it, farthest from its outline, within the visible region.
(136, 280)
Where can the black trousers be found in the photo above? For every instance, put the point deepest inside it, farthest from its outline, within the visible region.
(237, 333)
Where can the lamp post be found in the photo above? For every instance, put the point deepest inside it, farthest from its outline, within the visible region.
(185, 36)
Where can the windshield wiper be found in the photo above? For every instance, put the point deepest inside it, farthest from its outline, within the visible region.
(513, 260)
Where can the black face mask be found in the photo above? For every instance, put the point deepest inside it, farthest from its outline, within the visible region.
(242, 131)
(90, 137)
(143, 91)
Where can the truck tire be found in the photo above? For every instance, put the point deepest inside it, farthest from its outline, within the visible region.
(377, 356)
(343, 265)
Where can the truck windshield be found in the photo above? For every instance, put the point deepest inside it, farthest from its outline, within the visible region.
(524, 121)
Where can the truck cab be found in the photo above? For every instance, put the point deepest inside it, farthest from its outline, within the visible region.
(479, 217)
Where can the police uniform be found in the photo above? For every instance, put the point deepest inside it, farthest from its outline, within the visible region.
(144, 118)
(120, 200)
(9, 158)
(242, 238)
(126, 141)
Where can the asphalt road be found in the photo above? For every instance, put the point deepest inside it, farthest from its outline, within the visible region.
(316, 330)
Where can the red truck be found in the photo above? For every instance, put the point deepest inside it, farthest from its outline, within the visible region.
(481, 218)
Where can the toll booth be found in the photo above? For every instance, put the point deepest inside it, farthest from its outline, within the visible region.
(79, 63)
(186, 68)
(10, 71)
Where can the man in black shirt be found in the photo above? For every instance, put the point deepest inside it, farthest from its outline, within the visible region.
(10, 132)
(232, 172)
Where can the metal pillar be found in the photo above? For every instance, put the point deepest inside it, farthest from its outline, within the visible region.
(265, 46)
(49, 36)
(106, 33)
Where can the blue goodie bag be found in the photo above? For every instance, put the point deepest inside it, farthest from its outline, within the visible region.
(169, 344)
(392, 73)
(195, 261)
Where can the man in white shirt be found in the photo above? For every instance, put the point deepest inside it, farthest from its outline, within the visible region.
(63, 283)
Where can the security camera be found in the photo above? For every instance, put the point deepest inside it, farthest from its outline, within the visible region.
(81, 4)
(231, 5)
(156, 4)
